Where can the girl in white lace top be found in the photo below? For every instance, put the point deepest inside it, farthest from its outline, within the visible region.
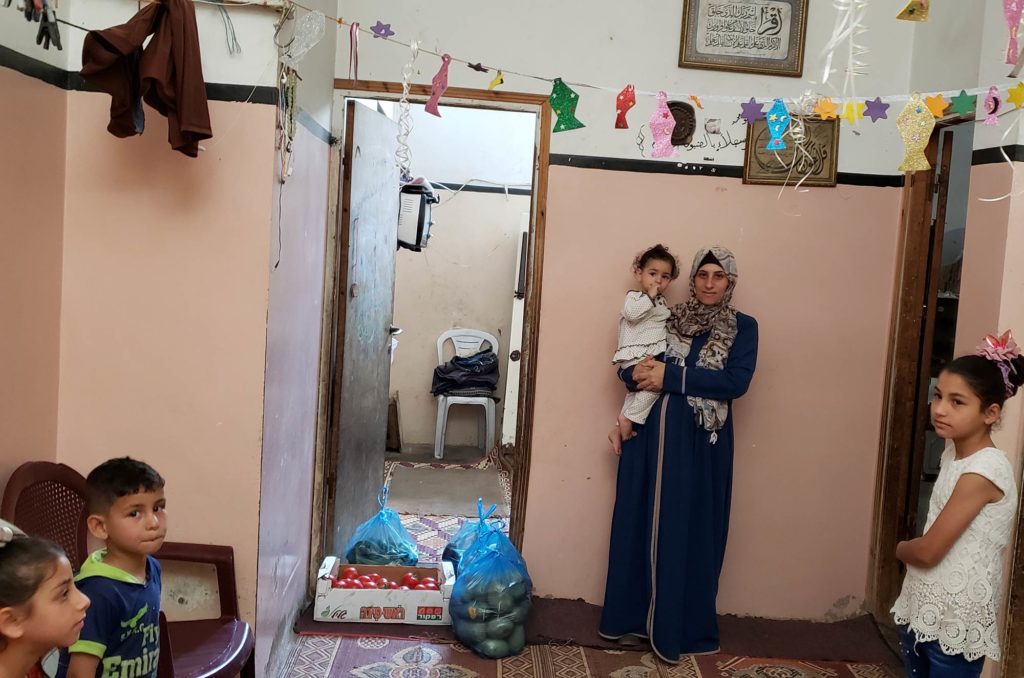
(947, 610)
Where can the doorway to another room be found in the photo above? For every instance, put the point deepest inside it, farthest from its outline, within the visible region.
(435, 318)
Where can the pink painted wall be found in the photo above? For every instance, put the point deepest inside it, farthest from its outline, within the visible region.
(817, 272)
(32, 199)
(290, 406)
(984, 249)
(163, 316)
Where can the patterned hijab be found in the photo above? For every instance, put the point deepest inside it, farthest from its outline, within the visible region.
(693, 318)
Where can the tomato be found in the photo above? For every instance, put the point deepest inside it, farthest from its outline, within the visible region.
(356, 584)
(410, 580)
(335, 582)
(428, 580)
(350, 573)
(404, 588)
(364, 578)
(344, 584)
(430, 586)
(374, 577)
(421, 587)
(394, 585)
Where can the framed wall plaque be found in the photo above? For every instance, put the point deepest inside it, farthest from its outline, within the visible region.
(751, 36)
(820, 162)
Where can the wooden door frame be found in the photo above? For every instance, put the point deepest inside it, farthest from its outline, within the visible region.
(899, 460)
(517, 457)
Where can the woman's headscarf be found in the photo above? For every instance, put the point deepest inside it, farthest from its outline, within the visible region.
(692, 318)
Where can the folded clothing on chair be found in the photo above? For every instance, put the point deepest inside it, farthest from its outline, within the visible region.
(478, 372)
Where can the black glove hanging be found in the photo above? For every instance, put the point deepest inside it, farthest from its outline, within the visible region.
(48, 30)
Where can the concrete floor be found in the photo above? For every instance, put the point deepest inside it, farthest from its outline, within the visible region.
(424, 454)
(426, 491)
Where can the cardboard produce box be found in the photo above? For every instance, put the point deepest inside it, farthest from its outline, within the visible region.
(383, 606)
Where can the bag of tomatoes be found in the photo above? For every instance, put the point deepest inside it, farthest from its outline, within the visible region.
(466, 536)
(491, 598)
(382, 540)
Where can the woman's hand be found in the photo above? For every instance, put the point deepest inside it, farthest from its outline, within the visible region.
(615, 438)
(649, 375)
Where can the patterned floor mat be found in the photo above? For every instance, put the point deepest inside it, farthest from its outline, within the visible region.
(334, 657)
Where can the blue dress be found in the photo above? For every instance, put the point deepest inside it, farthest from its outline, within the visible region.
(671, 516)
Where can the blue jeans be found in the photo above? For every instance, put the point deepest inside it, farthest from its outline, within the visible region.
(927, 660)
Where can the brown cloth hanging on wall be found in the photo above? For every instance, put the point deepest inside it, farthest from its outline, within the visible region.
(167, 74)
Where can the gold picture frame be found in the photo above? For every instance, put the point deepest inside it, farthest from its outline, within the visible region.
(750, 36)
(818, 160)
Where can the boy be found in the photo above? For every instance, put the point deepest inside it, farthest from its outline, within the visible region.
(121, 636)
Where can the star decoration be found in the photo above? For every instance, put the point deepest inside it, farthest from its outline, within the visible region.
(752, 111)
(479, 68)
(936, 104)
(1016, 95)
(853, 111)
(826, 108)
(382, 30)
(876, 109)
(964, 103)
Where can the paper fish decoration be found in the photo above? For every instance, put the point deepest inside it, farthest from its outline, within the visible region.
(438, 87)
(563, 102)
(1012, 10)
(499, 79)
(662, 123)
(625, 101)
(992, 105)
(916, 10)
(778, 123)
(915, 123)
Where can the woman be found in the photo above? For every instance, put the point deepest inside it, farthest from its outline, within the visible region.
(674, 484)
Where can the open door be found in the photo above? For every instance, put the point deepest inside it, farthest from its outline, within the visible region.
(510, 418)
(367, 241)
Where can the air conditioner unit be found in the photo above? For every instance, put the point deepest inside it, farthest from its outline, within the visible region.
(414, 215)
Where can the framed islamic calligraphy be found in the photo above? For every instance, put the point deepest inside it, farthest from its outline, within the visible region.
(751, 36)
(817, 158)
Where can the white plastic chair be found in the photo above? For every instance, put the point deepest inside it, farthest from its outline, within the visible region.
(466, 342)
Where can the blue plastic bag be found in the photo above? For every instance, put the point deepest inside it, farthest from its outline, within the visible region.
(466, 536)
(491, 598)
(382, 540)
(492, 537)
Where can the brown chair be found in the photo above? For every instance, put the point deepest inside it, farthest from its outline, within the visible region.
(48, 500)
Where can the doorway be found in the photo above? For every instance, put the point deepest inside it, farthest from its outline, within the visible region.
(934, 222)
(480, 270)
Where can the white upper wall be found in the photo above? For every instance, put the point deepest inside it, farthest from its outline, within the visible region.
(254, 27)
(954, 27)
(608, 43)
(611, 44)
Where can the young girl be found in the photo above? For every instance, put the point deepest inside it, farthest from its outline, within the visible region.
(947, 609)
(40, 608)
(642, 327)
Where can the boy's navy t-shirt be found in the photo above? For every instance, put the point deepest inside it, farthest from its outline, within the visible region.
(122, 624)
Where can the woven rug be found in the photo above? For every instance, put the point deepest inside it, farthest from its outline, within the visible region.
(333, 657)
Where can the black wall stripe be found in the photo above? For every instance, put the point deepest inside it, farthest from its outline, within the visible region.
(691, 168)
(72, 81)
(988, 156)
(476, 188)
